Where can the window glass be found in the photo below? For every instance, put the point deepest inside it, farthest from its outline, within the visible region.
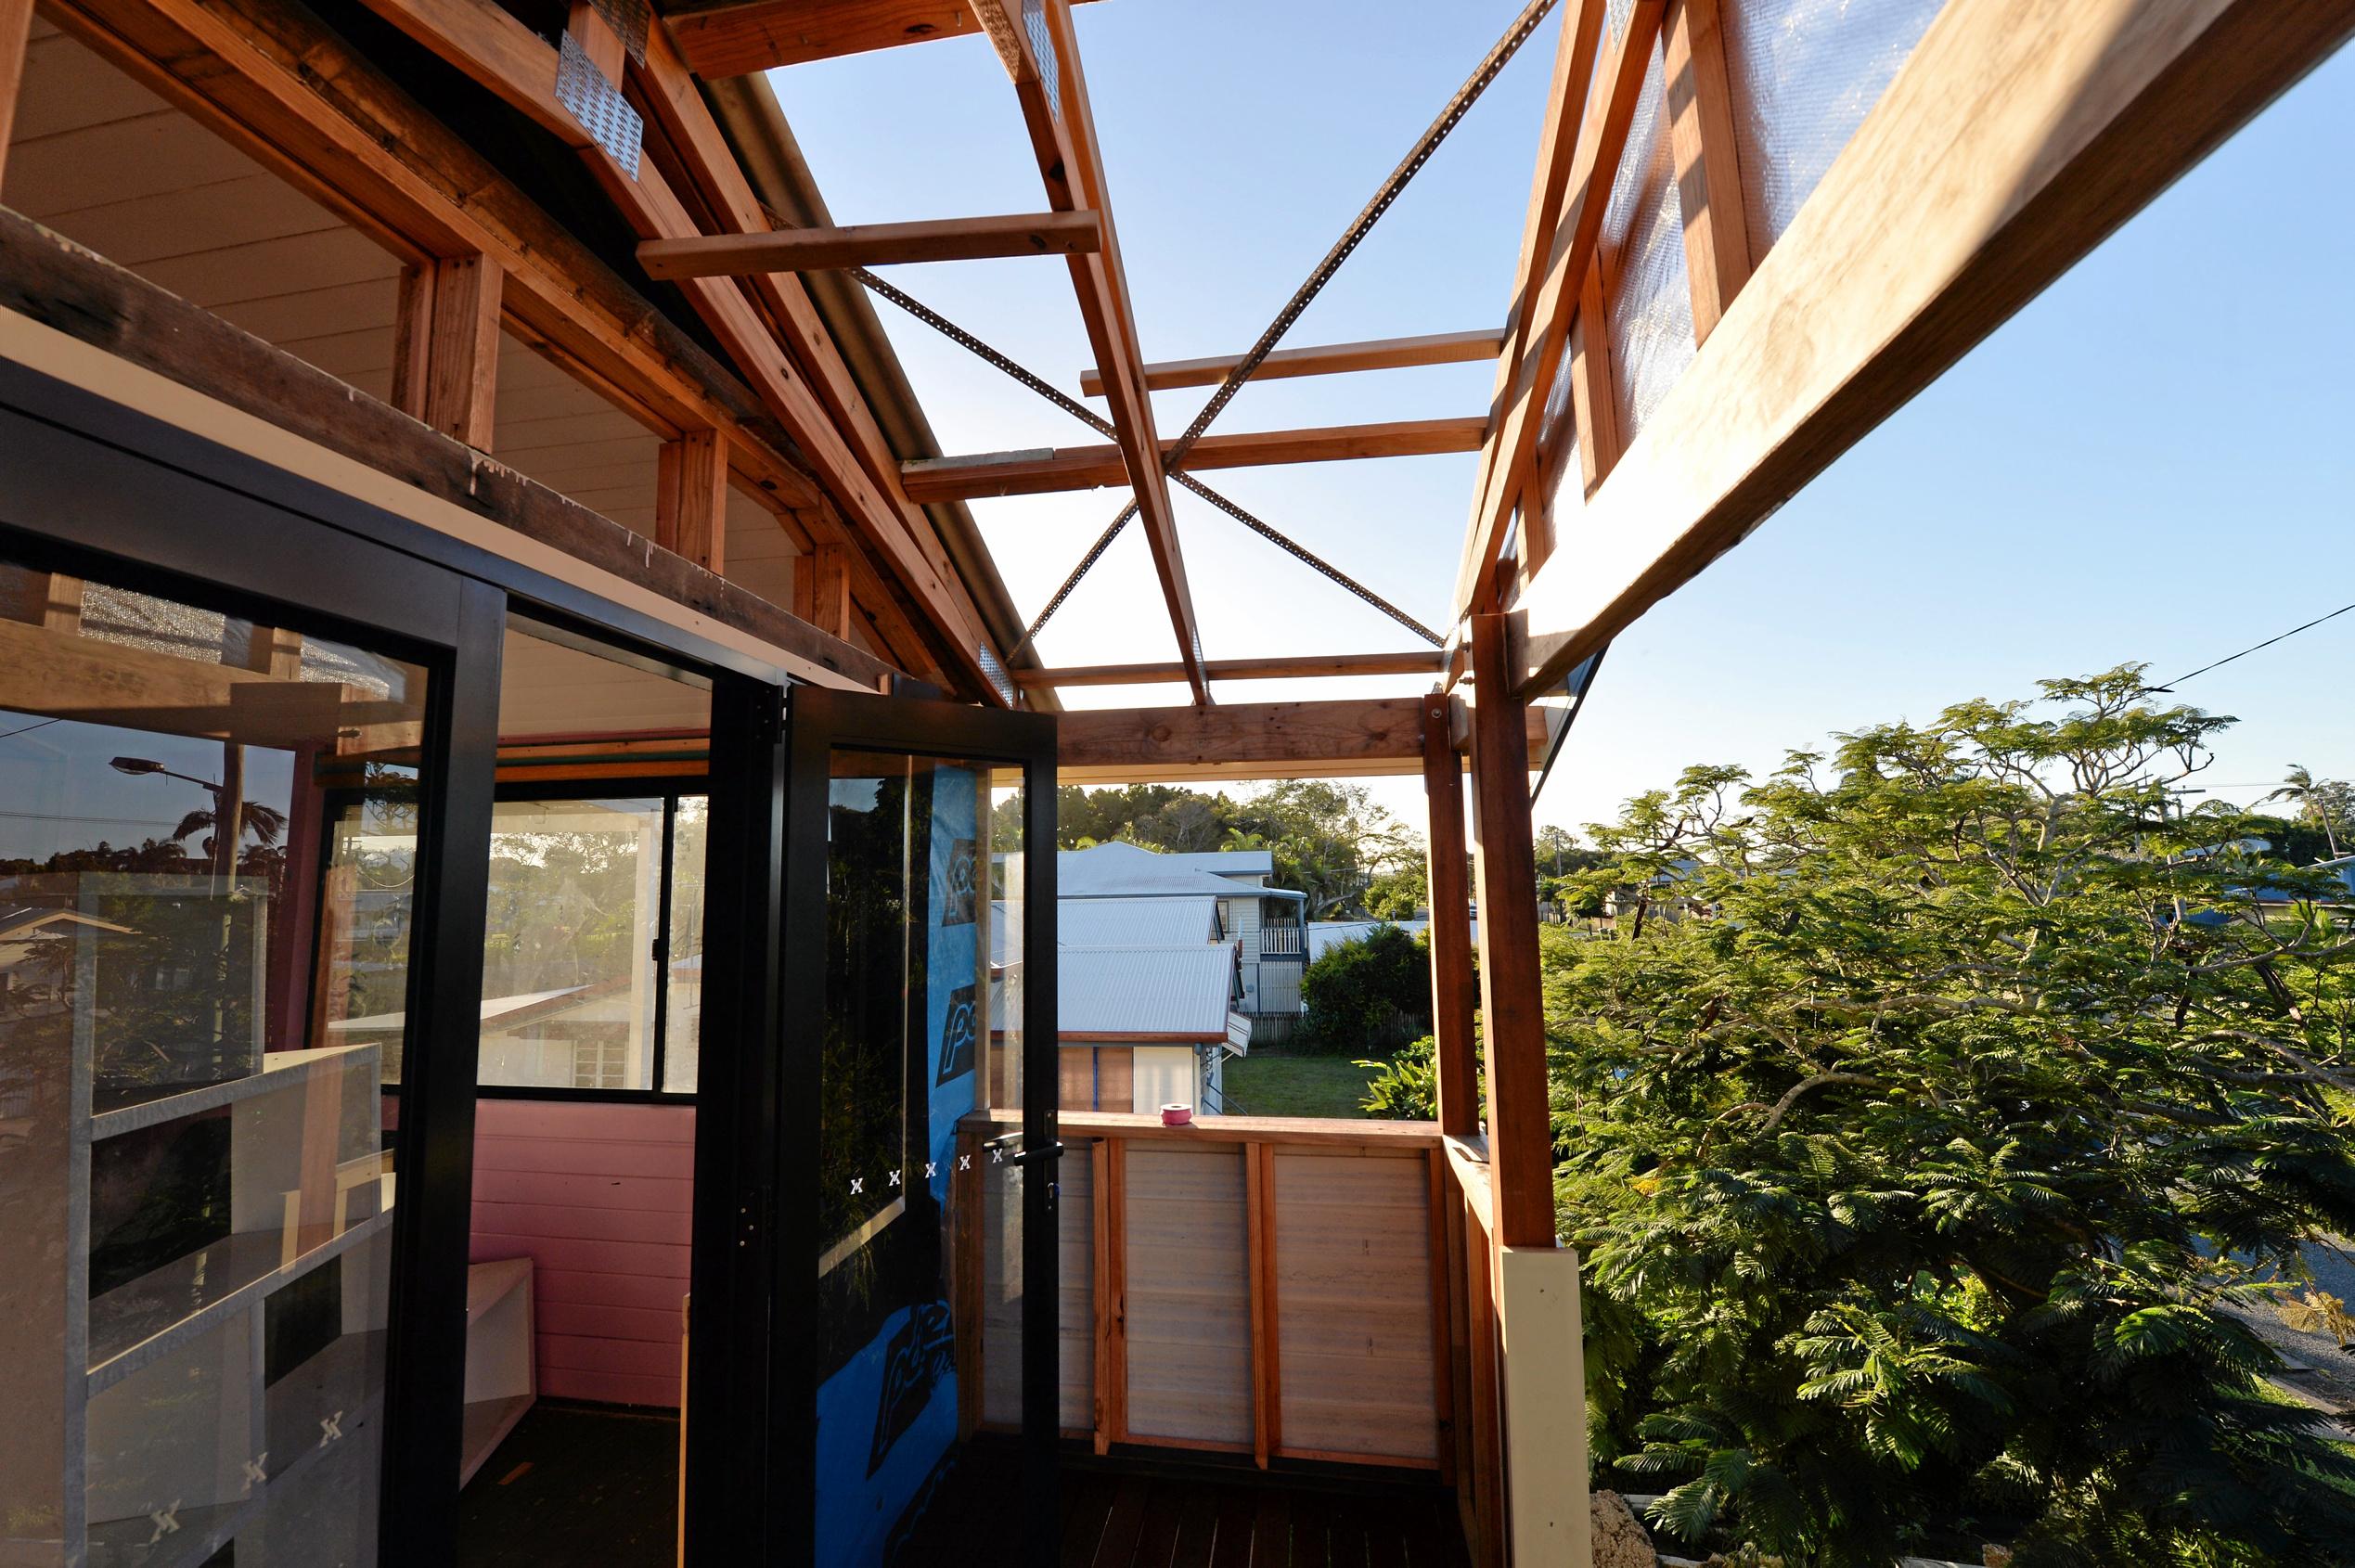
(207, 836)
(874, 907)
(683, 1006)
(569, 935)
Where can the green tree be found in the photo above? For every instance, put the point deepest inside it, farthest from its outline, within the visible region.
(1933, 1165)
(2327, 803)
(1331, 841)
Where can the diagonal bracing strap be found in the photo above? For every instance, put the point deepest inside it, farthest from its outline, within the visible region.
(1173, 462)
(1095, 421)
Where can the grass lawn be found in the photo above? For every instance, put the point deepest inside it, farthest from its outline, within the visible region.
(1269, 1083)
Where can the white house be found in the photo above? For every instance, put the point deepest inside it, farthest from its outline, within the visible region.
(1268, 924)
(1149, 995)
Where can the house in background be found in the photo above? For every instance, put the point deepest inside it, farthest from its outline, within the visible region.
(1145, 1027)
(1268, 924)
(1149, 992)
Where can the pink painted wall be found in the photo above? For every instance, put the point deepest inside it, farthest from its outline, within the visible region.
(599, 1197)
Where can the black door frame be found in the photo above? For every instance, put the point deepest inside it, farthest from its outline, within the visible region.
(94, 489)
(822, 721)
(91, 488)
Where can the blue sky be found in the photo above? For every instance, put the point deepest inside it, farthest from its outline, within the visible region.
(2153, 461)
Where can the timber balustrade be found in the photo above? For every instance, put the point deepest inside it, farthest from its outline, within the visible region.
(1286, 1288)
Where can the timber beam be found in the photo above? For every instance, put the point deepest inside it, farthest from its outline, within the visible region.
(293, 94)
(1324, 359)
(1369, 737)
(47, 279)
(707, 163)
(1087, 467)
(1415, 661)
(738, 37)
(2019, 135)
(509, 59)
(861, 245)
(1035, 41)
(1581, 188)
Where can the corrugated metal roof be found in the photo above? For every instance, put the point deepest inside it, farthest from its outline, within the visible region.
(1225, 862)
(1145, 990)
(1123, 923)
(1119, 871)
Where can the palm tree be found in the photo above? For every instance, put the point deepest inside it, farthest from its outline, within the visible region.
(2314, 798)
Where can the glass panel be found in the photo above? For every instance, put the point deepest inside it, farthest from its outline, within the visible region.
(683, 1006)
(568, 942)
(907, 1045)
(194, 1184)
(1803, 74)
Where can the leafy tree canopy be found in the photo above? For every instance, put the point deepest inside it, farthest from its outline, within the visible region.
(1330, 841)
(1934, 1164)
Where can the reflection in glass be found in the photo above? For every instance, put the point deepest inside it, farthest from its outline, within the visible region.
(569, 944)
(683, 1007)
(872, 900)
(905, 1054)
(193, 1189)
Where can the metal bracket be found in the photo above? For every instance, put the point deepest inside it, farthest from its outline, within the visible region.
(598, 104)
(629, 20)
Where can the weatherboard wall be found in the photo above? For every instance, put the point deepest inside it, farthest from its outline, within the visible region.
(599, 1198)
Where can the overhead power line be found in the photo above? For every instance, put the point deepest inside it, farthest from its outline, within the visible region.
(2244, 652)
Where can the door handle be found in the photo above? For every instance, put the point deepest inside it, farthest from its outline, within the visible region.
(1009, 1146)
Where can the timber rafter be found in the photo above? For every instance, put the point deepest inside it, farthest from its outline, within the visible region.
(1052, 90)
(506, 57)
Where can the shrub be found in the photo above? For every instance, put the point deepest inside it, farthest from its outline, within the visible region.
(1370, 996)
(1405, 1087)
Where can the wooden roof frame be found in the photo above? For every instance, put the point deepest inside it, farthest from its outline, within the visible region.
(1052, 90)
(770, 332)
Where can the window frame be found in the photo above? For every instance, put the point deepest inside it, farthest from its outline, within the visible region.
(670, 790)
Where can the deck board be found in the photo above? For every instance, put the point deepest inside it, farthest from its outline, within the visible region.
(1133, 1513)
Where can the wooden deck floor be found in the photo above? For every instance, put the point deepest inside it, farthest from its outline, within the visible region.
(1138, 1516)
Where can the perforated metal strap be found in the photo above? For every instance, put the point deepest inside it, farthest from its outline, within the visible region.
(1417, 156)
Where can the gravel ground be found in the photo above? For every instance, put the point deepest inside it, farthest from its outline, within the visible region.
(2319, 1372)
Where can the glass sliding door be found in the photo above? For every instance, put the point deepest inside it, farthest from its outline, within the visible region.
(911, 1035)
(208, 845)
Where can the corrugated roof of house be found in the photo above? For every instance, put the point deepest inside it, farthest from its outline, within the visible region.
(1172, 921)
(1145, 990)
(1225, 862)
(1118, 870)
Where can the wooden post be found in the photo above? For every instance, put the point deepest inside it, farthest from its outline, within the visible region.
(1454, 989)
(16, 36)
(1520, 1123)
(1716, 235)
(691, 498)
(1260, 1219)
(822, 590)
(446, 353)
